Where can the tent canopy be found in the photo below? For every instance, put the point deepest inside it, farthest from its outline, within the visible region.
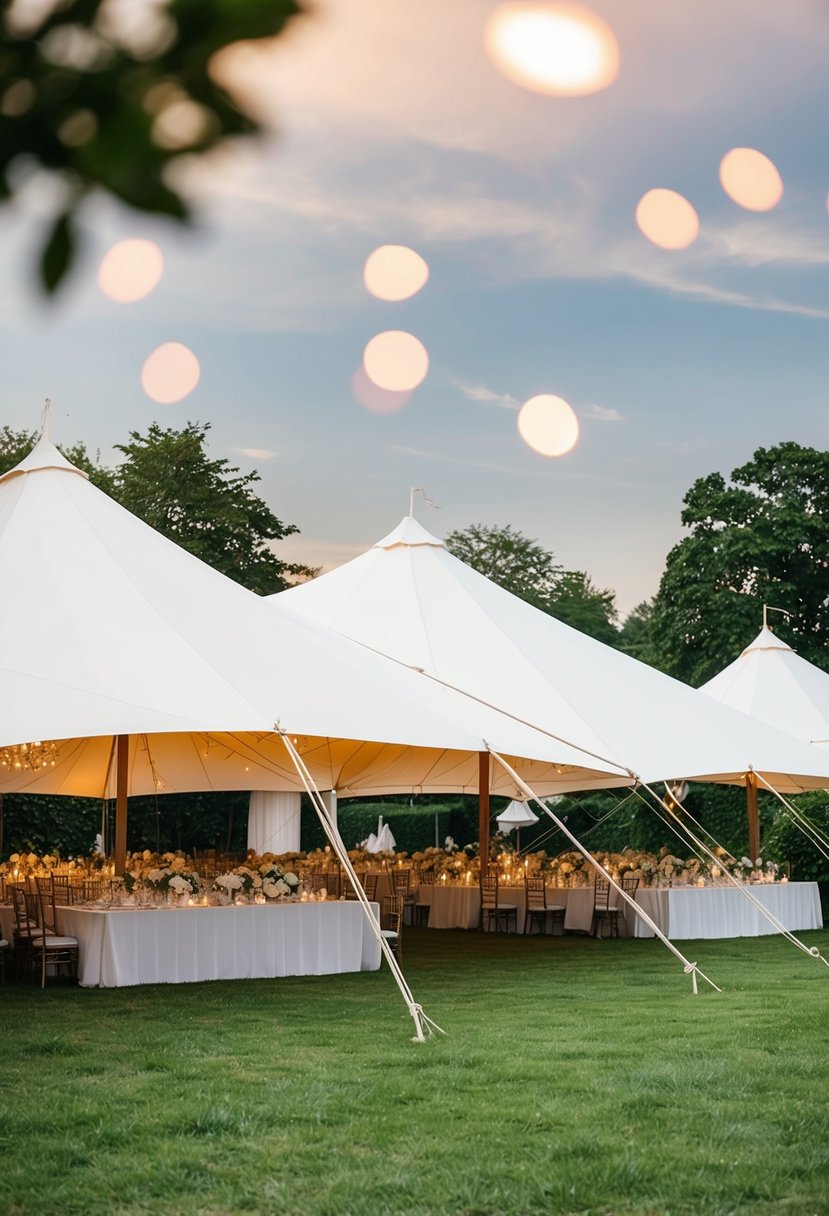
(409, 598)
(112, 630)
(771, 682)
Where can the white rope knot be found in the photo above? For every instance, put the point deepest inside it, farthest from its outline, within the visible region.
(689, 967)
(815, 953)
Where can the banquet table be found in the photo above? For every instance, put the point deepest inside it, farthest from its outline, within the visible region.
(458, 905)
(120, 947)
(688, 912)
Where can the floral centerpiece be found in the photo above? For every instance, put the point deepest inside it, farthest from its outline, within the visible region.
(29, 865)
(160, 872)
(276, 882)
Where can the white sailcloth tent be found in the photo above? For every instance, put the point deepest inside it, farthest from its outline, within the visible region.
(409, 598)
(112, 631)
(772, 683)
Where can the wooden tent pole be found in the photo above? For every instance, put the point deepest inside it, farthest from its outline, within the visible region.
(483, 810)
(122, 757)
(753, 817)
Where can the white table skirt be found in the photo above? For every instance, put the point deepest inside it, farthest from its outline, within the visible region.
(457, 906)
(120, 947)
(689, 912)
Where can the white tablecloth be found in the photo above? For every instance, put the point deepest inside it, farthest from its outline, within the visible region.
(124, 946)
(687, 912)
(458, 906)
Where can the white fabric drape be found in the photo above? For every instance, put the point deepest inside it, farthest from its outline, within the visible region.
(274, 821)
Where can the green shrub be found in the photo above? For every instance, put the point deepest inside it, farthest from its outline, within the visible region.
(787, 842)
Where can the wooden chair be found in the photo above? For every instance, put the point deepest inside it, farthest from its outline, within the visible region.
(314, 880)
(604, 913)
(370, 881)
(403, 887)
(332, 882)
(63, 891)
(423, 907)
(391, 923)
(538, 910)
(495, 914)
(22, 953)
(630, 885)
(46, 946)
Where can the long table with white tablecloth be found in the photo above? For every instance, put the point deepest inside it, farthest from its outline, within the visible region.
(120, 947)
(458, 905)
(680, 912)
(687, 912)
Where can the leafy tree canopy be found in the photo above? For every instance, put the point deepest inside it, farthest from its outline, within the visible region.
(105, 101)
(635, 633)
(522, 566)
(207, 506)
(204, 505)
(762, 538)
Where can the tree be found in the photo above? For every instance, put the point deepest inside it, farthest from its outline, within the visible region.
(764, 538)
(581, 604)
(523, 567)
(204, 505)
(104, 101)
(510, 559)
(635, 633)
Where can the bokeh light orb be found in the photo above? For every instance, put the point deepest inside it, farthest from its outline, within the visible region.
(376, 400)
(395, 272)
(565, 50)
(170, 373)
(750, 179)
(130, 270)
(548, 425)
(396, 361)
(667, 219)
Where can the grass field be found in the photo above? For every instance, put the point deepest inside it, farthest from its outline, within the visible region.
(576, 1077)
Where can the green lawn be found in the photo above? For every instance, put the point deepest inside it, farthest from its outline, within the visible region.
(576, 1076)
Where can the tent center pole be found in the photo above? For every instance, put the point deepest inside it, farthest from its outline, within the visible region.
(122, 756)
(483, 810)
(753, 817)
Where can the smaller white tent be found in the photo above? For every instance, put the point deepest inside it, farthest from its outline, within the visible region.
(516, 815)
(772, 683)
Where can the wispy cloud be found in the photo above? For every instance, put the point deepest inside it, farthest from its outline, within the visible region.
(599, 413)
(479, 392)
(256, 453)
(424, 454)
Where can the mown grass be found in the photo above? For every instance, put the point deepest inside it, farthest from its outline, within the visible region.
(576, 1077)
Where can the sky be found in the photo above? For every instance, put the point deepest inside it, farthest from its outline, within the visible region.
(391, 125)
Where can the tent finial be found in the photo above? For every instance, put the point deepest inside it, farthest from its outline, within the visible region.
(767, 609)
(46, 432)
(419, 490)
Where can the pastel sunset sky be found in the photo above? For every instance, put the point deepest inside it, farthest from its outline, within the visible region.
(392, 125)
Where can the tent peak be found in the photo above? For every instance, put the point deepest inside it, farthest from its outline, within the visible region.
(44, 455)
(767, 640)
(409, 532)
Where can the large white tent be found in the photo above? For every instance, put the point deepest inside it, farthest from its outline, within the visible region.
(409, 598)
(769, 681)
(110, 630)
